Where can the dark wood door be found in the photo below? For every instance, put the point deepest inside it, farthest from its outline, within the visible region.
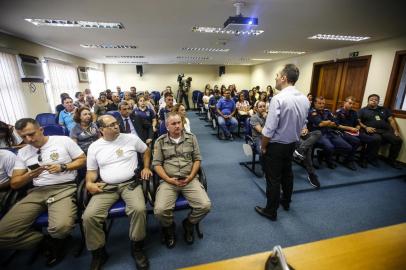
(336, 80)
(329, 83)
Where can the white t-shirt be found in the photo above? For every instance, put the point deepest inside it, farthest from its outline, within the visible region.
(57, 150)
(117, 160)
(7, 160)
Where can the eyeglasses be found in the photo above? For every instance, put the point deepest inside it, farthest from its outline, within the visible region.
(39, 155)
(111, 125)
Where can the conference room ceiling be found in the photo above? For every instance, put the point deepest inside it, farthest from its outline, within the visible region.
(161, 28)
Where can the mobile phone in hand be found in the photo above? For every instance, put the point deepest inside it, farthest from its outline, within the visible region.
(33, 166)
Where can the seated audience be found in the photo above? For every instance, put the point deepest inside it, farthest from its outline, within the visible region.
(226, 110)
(85, 132)
(90, 102)
(348, 122)
(66, 116)
(9, 137)
(257, 122)
(80, 100)
(379, 125)
(130, 101)
(206, 96)
(162, 101)
(113, 106)
(133, 94)
(304, 151)
(145, 112)
(243, 107)
(213, 104)
(100, 107)
(181, 111)
(169, 103)
(269, 92)
(179, 175)
(113, 160)
(251, 98)
(7, 161)
(60, 107)
(322, 119)
(132, 123)
(49, 163)
(109, 95)
(119, 93)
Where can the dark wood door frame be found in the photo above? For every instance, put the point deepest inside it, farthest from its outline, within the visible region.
(317, 66)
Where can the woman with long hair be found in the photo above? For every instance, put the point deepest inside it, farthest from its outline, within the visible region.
(8, 137)
(181, 110)
(85, 131)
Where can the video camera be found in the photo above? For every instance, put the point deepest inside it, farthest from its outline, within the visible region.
(184, 83)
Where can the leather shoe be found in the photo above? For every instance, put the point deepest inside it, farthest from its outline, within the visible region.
(266, 213)
(169, 236)
(140, 258)
(188, 228)
(285, 205)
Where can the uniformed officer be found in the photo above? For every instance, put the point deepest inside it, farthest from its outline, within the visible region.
(378, 123)
(114, 158)
(347, 120)
(49, 163)
(322, 119)
(177, 162)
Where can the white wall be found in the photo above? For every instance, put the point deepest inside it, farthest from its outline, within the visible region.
(37, 101)
(383, 54)
(157, 77)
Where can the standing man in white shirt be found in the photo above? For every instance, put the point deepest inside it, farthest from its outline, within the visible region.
(113, 160)
(50, 164)
(286, 118)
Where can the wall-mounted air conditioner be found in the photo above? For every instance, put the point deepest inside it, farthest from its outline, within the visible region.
(82, 74)
(30, 68)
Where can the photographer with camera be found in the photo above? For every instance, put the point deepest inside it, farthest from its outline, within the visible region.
(183, 90)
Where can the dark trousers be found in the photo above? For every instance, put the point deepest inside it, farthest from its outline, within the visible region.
(184, 95)
(306, 147)
(375, 141)
(354, 141)
(278, 173)
(330, 142)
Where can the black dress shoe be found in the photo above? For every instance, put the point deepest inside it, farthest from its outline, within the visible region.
(99, 258)
(266, 213)
(285, 205)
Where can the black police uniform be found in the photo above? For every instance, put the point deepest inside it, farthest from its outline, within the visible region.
(378, 119)
(330, 139)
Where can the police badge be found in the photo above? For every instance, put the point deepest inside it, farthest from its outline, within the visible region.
(119, 152)
(54, 156)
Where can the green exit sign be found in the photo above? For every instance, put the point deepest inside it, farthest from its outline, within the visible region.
(354, 54)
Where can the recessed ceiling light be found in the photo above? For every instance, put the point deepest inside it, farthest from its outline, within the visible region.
(338, 37)
(132, 62)
(261, 59)
(206, 49)
(283, 52)
(219, 30)
(73, 23)
(125, 56)
(107, 46)
(193, 57)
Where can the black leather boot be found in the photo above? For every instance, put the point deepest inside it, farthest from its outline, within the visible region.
(188, 228)
(141, 259)
(56, 251)
(169, 236)
(99, 257)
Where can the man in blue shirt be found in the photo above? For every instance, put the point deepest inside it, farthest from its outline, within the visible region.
(226, 110)
(66, 116)
(286, 118)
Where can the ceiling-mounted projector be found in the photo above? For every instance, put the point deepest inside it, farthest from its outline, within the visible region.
(240, 23)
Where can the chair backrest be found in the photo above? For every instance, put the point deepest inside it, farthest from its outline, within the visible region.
(162, 129)
(45, 119)
(195, 96)
(55, 130)
(247, 127)
(116, 114)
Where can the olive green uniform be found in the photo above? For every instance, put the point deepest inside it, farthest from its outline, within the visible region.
(177, 160)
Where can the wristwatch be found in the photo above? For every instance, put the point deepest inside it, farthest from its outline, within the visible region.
(63, 167)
